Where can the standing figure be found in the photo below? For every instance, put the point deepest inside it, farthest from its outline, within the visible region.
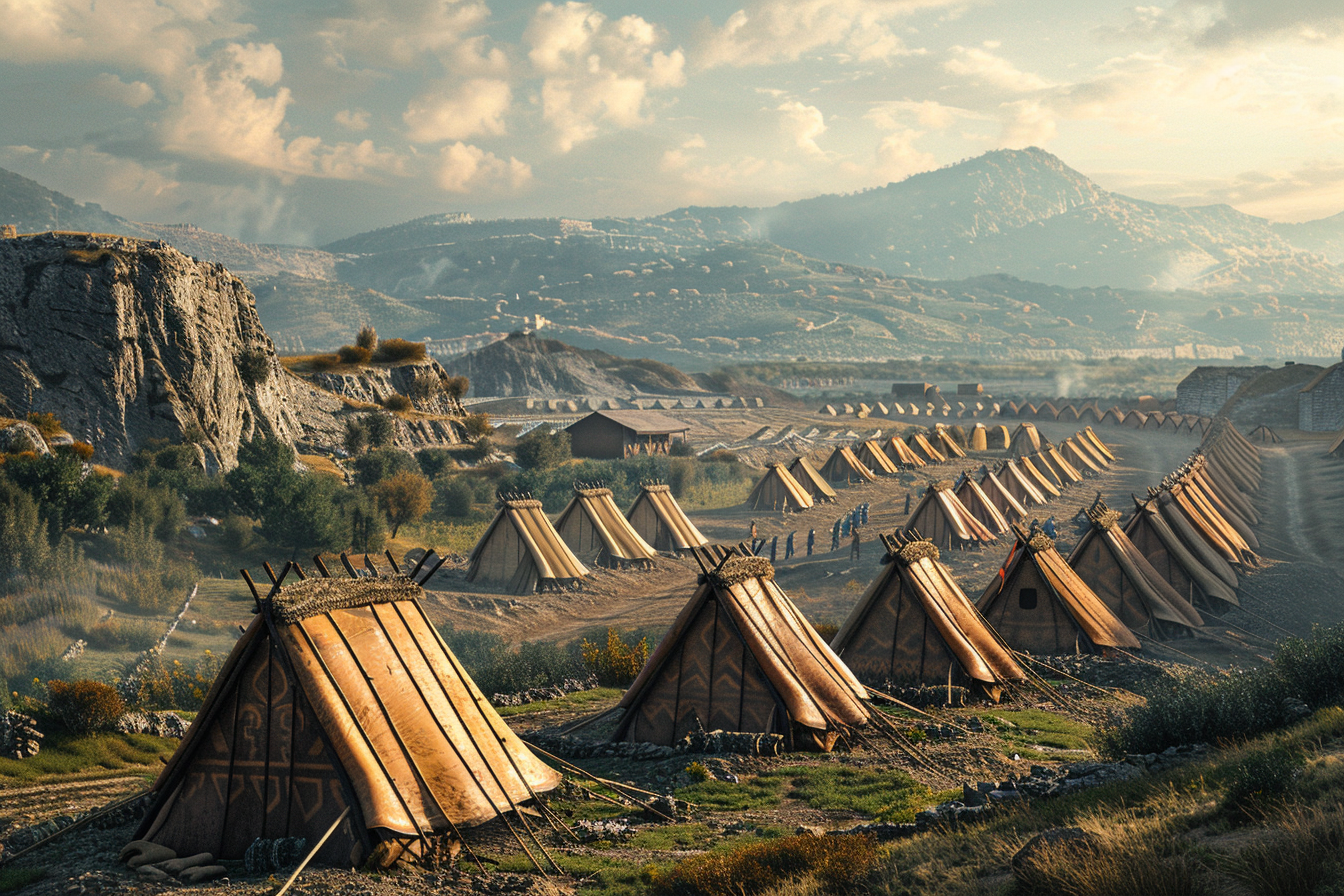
(811, 541)
(835, 536)
(774, 547)
(788, 546)
(854, 545)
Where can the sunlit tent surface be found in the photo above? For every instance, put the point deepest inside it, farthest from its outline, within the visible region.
(778, 490)
(1038, 604)
(915, 626)
(741, 657)
(1119, 574)
(1175, 563)
(340, 694)
(592, 525)
(807, 476)
(521, 552)
(661, 522)
(945, 521)
(901, 454)
(975, 500)
(843, 466)
(871, 455)
(1001, 496)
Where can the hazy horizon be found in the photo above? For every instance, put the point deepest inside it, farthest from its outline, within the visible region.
(303, 125)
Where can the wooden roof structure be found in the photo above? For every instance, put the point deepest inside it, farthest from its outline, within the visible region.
(661, 522)
(807, 476)
(945, 521)
(914, 626)
(521, 552)
(778, 490)
(1038, 604)
(1119, 574)
(843, 466)
(340, 696)
(741, 657)
(593, 526)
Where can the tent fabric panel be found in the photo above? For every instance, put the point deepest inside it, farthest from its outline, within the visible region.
(1016, 483)
(1047, 629)
(1094, 563)
(1166, 553)
(778, 490)
(901, 454)
(871, 455)
(989, 650)
(1043, 484)
(1097, 622)
(843, 466)
(1195, 543)
(626, 544)
(1004, 500)
(807, 476)
(495, 558)
(924, 449)
(554, 560)
(979, 505)
(661, 522)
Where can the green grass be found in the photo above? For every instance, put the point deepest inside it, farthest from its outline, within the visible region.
(674, 836)
(17, 878)
(597, 874)
(762, 792)
(1037, 727)
(65, 755)
(579, 701)
(888, 795)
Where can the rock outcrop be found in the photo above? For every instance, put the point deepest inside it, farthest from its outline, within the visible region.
(127, 340)
(425, 383)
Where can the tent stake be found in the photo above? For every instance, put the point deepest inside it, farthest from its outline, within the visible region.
(312, 852)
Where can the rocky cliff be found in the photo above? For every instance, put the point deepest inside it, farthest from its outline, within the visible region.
(425, 383)
(126, 340)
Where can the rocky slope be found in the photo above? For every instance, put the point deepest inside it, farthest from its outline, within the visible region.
(525, 365)
(127, 340)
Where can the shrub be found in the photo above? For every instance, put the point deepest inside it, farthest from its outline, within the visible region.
(477, 426)
(383, 463)
(456, 386)
(324, 362)
(84, 706)
(81, 450)
(381, 427)
(542, 450)
(354, 354)
(1259, 781)
(433, 461)
(175, 685)
(454, 497)
(398, 403)
(615, 663)
(254, 366)
(355, 437)
(367, 338)
(46, 424)
(390, 351)
(836, 863)
(1302, 852)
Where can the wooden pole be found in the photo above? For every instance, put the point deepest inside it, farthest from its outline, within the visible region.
(312, 852)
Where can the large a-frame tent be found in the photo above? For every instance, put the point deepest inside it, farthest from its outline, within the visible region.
(947, 445)
(945, 521)
(521, 552)
(901, 454)
(1078, 456)
(915, 626)
(340, 697)
(1026, 440)
(593, 526)
(1044, 484)
(871, 455)
(661, 522)
(807, 476)
(778, 490)
(1001, 496)
(1119, 574)
(920, 444)
(974, 499)
(1038, 604)
(1175, 562)
(843, 466)
(1019, 484)
(741, 657)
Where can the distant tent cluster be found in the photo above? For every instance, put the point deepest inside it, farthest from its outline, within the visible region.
(522, 551)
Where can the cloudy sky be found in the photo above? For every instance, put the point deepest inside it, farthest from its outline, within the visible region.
(306, 121)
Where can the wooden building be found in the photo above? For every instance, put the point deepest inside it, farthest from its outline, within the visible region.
(614, 434)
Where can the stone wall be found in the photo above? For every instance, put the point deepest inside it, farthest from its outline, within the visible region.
(1206, 389)
(1321, 409)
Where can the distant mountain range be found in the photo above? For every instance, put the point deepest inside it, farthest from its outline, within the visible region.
(1012, 254)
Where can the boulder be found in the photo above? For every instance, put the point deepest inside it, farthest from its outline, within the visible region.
(1031, 863)
(18, 437)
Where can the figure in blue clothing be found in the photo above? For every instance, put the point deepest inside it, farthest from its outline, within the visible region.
(774, 548)
(1049, 529)
(835, 536)
(812, 541)
(845, 525)
(788, 546)
(863, 515)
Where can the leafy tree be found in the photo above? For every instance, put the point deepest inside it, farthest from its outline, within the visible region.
(264, 473)
(23, 545)
(355, 438)
(453, 496)
(542, 450)
(381, 427)
(404, 498)
(305, 515)
(157, 506)
(433, 461)
(477, 425)
(367, 338)
(65, 494)
(365, 522)
(378, 465)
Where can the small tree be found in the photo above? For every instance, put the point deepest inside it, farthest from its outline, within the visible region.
(541, 450)
(356, 437)
(382, 428)
(454, 497)
(367, 338)
(477, 425)
(404, 498)
(254, 366)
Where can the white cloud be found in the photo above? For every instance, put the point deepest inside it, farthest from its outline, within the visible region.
(400, 33)
(930, 114)
(463, 168)
(984, 68)
(134, 94)
(352, 119)
(773, 31)
(1232, 23)
(803, 124)
(457, 112)
(1026, 123)
(596, 71)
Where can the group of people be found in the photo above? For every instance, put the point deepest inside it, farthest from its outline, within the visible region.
(846, 527)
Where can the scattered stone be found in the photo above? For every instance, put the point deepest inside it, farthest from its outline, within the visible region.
(615, 830)
(142, 852)
(202, 873)
(1071, 841)
(536, 695)
(879, 831)
(177, 866)
(159, 724)
(19, 737)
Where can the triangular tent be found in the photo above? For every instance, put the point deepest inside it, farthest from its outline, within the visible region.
(1174, 561)
(843, 466)
(871, 455)
(1135, 419)
(942, 519)
(1020, 485)
(1119, 574)
(1264, 434)
(593, 526)
(914, 626)
(807, 476)
(1046, 485)
(922, 447)
(1068, 414)
(1001, 496)
(901, 454)
(974, 499)
(1096, 442)
(521, 551)
(979, 438)
(340, 696)
(999, 440)
(1078, 457)
(1046, 411)
(947, 445)
(1068, 473)
(1026, 440)
(661, 522)
(741, 657)
(1038, 604)
(778, 490)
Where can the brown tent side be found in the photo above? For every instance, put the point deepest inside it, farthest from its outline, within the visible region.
(914, 626)
(521, 551)
(1038, 604)
(948, 446)
(1126, 582)
(999, 440)
(340, 695)
(592, 526)
(1026, 440)
(807, 476)
(1076, 456)
(741, 657)
(1046, 485)
(901, 454)
(843, 466)
(974, 499)
(942, 519)
(1068, 473)
(661, 522)
(1001, 494)
(1020, 485)
(1095, 441)
(778, 490)
(871, 455)
(1165, 552)
(920, 444)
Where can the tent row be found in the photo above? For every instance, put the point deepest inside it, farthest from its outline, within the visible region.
(522, 551)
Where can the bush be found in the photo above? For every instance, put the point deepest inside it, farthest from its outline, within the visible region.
(381, 427)
(367, 338)
(616, 663)
(541, 449)
(84, 706)
(1259, 781)
(456, 386)
(398, 403)
(322, 363)
(383, 463)
(391, 351)
(46, 424)
(254, 366)
(81, 450)
(498, 669)
(837, 864)
(354, 354)
(355, 437)
(175, 685)
(477, 426)
(453, 497)
(433, 461)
